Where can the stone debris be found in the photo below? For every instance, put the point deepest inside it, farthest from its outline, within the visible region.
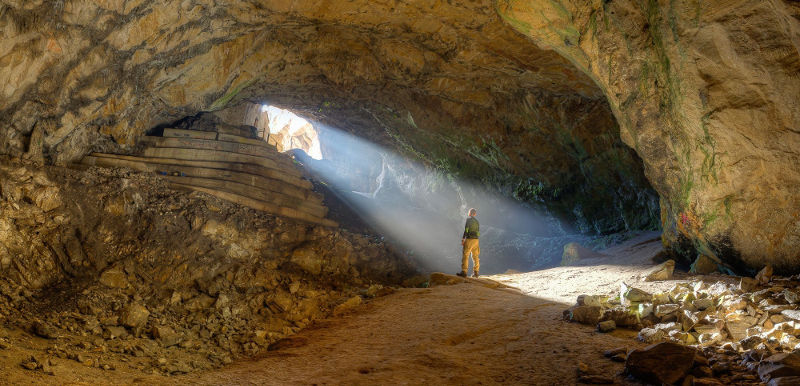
(663, 362)
(606, 326)
(662, 272)
(744, 328)
(703, 265)
(180, 287)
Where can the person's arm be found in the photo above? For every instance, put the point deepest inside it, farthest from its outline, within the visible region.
(464, 236)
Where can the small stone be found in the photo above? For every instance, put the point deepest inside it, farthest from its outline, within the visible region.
(784, 381)
(791, 296)
(779, 365)
(606, 326)
(347, 306)
(660, 363)
(634, 295)
(662, 272)
(703, 265)
(30, 363)
(791, 314)
(666, 309)
(748, 284)
(135, 315)
(586, 314)
(651, 335)
(765, 275)
(588, 300)
(114, 278)
(166, 335)
(44, 330)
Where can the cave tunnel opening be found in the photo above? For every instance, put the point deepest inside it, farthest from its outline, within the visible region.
(421, 208)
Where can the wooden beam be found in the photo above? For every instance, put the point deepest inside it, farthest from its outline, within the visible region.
(276, 174)
(255, 181)
(261, 150)
(249, 141)
(180, 133)
(310, 207)
(259, 205)
(219, 156)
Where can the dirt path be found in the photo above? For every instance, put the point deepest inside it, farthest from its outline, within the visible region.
(460, 334)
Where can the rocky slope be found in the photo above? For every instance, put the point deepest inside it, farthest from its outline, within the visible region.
(147, 272)
(706, 92)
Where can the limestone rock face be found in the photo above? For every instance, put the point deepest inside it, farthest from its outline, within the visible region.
(449, 83)
(706, 92)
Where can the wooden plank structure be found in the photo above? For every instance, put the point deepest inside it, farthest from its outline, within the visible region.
(229, 164)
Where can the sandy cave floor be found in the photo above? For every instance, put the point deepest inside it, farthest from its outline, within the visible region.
(459, 334)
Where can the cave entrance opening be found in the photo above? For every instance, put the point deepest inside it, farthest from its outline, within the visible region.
(287, 131)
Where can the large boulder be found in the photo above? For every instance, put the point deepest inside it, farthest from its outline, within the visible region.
(779, 365)
(664, 362)
(708, 102)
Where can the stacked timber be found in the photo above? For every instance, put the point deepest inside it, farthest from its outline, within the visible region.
(229, 163)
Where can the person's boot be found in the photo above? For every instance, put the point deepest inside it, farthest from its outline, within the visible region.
(475, 274)
(462, 274)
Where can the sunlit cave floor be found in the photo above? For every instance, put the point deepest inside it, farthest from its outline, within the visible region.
(451, 334)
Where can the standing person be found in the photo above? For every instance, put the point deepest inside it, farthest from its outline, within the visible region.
(469, 241)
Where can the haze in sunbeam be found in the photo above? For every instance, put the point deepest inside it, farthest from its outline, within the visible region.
(423, 210)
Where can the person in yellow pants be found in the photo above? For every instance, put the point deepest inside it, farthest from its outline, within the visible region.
(469, 242)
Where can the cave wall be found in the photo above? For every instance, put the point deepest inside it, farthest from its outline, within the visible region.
(448, 83)
(706, 92)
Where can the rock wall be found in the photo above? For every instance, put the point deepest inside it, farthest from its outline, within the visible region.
(145, 270)
(706, 92)
(448, 82)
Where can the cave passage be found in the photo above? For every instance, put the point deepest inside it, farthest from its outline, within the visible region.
(423, 210)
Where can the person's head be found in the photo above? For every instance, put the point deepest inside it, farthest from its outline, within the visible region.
(472, 212)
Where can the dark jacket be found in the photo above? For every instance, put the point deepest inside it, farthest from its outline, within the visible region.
(471, 229)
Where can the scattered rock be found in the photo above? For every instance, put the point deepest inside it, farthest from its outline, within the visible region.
(634, 295)
(135, 315)
(747, 284)
(664, 362)
(347, 306)
(586, 314)
(662, 272)
(606, 326)
(703, 265)
(44, 330)
(166, 335)
(308, 259)
(114, 278)
(784, 381)
(779, 365)
(765, 275)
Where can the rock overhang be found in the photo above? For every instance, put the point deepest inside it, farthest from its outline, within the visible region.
(432, 78)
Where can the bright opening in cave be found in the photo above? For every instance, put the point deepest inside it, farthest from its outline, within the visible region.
(423, 211)
(287, 131)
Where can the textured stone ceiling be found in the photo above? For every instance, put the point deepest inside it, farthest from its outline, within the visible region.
(509, 93)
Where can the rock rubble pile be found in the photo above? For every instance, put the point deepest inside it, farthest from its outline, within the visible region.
(749, 323)
(161, 280)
